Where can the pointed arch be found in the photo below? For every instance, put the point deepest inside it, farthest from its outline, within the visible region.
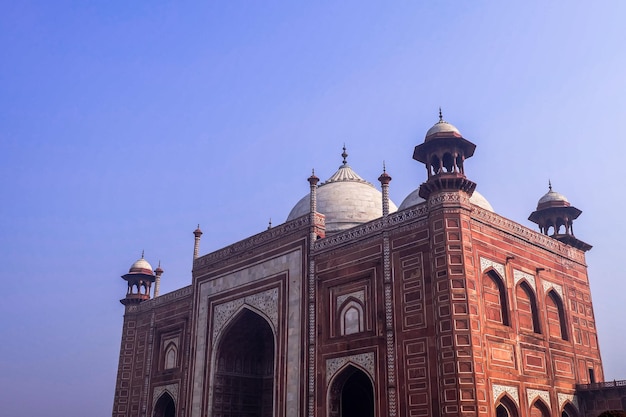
(527, 312)
(494, 297)
(569, 410)
(557, 324)
(539, 409)
(351, 393)
(171, 356)
(351, 317)
(244, 375)
(165, 406)
(505, 407)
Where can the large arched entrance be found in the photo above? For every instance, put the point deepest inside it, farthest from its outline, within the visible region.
(165, 406)
(351, 394)
(244, 378)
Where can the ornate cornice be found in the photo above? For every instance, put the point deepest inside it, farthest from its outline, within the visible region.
(523, 233)
(162, 299)
(371, 228)
(253, 241)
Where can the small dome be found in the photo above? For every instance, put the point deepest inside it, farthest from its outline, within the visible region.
(552, 199)
(414, 199)
(442, 127)
(141, 266)
(346, 200)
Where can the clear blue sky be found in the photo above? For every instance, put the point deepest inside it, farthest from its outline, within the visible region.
(125, 124)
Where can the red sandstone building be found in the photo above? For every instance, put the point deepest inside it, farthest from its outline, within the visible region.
(354, 307)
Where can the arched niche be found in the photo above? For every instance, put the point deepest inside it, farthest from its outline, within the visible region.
(539, 409)
(505, 407)
(527, 312)
(165, 406)
(494, 298)
(243, 383)
(351, 317)
(557, 325)
(351, 394)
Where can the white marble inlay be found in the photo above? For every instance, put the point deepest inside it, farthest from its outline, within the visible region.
(266, 302)
(519, 275)
(486, 263)
(359, 295)
(364, 361)
(563, 398)
(556, 287)
(532, 394)
(171, 389)
(498, 390)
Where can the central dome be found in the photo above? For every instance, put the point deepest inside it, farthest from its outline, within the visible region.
(346, 200)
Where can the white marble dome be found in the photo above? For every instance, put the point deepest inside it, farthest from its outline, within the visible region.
(442, 126)
(414, 199)
(552, 197)
(346, 200)
(141, 266)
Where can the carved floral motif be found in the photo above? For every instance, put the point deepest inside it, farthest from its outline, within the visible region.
(556, 287)
(486, 263)
(266, 301)
(498, 390)
(519, 275)
(171, 389)
(364, 360)
(532, 394)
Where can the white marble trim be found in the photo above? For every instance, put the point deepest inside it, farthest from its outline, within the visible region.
(487, 263)
(498, 390)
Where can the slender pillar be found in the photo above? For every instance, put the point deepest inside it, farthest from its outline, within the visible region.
(196, 246)
(157, 281)
(385, 179)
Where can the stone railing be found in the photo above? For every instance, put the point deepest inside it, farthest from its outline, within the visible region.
(600, 385)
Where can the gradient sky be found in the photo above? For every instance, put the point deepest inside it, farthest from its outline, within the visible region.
(125, 124)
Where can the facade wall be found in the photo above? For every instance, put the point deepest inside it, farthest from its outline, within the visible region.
(445, 307)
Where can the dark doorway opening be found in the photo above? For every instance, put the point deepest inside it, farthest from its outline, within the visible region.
(165, 406)
(352, 394)
(244, 378)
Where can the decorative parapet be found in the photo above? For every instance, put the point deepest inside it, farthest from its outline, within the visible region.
(601, 385)
(162, 299)
(372, 228)
(253, 241)
(524, 233)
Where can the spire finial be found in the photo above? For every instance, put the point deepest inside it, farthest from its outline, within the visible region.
(440, 115)
(270, 224)
(344, 155)
(550, 185)
(142, 254)
(384, 167)
(159, 264)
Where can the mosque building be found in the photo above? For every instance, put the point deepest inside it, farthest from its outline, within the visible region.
(357, 307)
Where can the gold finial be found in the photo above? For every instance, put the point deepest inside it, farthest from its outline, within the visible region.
(344, 155)
(550, 185)
(440, 115)
(142, 254)
(384, 167)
